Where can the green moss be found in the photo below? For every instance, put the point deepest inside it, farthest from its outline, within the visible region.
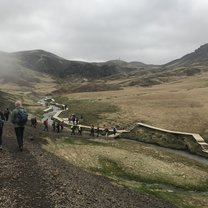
(157, 187)
(91, 110)
(171, 197)
(39, 113)
(113, 169)
(83, 141)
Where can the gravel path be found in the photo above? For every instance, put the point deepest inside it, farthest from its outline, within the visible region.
(37, 178)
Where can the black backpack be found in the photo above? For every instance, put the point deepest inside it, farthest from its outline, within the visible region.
(22, 117)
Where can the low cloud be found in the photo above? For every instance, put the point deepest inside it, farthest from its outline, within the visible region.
(151, 31)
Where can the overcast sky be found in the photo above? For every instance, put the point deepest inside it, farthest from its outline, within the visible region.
(150, 31)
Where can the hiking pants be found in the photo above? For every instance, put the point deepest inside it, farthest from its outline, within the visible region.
(19, 131)
(1, 132)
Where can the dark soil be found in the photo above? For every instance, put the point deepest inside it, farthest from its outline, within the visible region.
(37, 178)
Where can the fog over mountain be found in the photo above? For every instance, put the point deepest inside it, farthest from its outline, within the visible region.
(20, 66)
(8, 64)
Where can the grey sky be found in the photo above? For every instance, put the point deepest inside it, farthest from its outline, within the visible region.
(150, 31)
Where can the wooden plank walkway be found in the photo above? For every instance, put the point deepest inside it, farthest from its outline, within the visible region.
(197, 137)
(66, 122)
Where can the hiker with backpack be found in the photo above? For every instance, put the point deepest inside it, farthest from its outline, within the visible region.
(45, 123)
(106, 130)
(114, 130)
(2, 119)
(92, 131)
(19, 118)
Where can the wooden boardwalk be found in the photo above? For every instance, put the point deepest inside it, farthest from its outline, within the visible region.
(67, 123)
(197, 137)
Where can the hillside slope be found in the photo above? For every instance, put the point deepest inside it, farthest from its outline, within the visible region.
(36, 178)
(47, 62)
(12, 71)
(197, 58)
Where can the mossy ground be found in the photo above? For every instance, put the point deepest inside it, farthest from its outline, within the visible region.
(93, 111)
(147, 169)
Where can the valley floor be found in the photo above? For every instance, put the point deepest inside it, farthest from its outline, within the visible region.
(37, 178)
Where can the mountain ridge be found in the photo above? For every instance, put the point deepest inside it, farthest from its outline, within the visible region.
(137, 72)
(44, 61)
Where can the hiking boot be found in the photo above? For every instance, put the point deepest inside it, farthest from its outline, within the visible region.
(0, 147)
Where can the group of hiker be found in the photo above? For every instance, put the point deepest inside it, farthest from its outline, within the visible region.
(18, 118)
(57, 126)
(76, 127)
(97, 132)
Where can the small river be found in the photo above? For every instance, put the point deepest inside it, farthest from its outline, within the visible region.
(197, 158)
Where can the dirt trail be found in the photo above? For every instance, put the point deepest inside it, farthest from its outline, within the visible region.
(36, 178)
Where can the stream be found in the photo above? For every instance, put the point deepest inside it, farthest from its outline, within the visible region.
(188, 155)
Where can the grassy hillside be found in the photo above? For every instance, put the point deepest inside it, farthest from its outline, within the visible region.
(138, 166)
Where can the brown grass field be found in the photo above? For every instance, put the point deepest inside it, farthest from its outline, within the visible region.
(180, 105)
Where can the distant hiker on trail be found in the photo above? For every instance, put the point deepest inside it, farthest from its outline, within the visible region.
(98, 131)
(62, 125)
(54, 125)
(73, 127)
(2, 119)
(106, 131)
(57, 125)
(6, 114)
(114, 130)
(92, 131)
(73, 118)
(19, 118)
(33, 122)
(45, 123)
